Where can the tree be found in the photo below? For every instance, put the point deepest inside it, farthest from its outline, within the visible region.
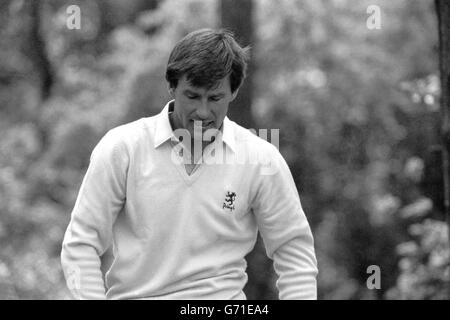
(237, 16)
(443, 13)
(38, 51)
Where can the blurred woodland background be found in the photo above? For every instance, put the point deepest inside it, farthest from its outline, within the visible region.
(358, 112)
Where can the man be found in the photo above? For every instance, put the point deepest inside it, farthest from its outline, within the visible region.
(179, 219)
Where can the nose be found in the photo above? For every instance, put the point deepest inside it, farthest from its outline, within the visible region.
(203, 111)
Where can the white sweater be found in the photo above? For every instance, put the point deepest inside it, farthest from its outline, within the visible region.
(179, 236)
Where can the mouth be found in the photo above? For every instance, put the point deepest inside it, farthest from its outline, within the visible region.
(204, 124)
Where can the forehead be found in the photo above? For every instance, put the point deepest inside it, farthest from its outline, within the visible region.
(221, 86)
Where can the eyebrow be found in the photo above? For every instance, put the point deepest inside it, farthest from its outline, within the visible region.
(218, 94)
(190, 92)
(187, 91)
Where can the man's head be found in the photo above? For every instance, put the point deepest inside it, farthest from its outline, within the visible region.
(204, 72)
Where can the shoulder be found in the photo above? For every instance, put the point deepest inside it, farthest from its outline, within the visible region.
(262, 141)
(261, 145)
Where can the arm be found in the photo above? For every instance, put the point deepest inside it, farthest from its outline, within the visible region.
(89, 234)
(286, 232)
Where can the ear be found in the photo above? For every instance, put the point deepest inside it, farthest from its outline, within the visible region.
(234, 94)
(171, 91)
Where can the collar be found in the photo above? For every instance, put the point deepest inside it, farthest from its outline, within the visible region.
(228, 134)
(164, 132)
(163, 129)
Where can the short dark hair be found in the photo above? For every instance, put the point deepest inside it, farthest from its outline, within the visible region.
(206, 56)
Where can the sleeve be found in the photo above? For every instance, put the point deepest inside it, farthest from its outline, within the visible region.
(89, 234)
(285, 231)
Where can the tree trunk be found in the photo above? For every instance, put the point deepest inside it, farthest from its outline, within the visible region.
(236, 15)
(443, 13)
(37, 49)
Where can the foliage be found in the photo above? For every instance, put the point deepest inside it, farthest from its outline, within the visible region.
(357, 108)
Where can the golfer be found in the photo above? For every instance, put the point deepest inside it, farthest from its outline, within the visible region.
(177, 199)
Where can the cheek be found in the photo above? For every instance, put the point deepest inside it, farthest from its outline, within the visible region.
(184, 108)
(222, 110)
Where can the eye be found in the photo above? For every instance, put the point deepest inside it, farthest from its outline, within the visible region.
(192, 96)
(215, 98)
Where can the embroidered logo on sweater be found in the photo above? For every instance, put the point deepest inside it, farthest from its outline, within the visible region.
(229, 200)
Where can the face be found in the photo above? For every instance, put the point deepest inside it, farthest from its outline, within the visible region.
(206, 109)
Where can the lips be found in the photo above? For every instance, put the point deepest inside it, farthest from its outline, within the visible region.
(203, 123)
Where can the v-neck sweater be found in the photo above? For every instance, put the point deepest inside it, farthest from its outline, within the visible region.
(171, 235)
